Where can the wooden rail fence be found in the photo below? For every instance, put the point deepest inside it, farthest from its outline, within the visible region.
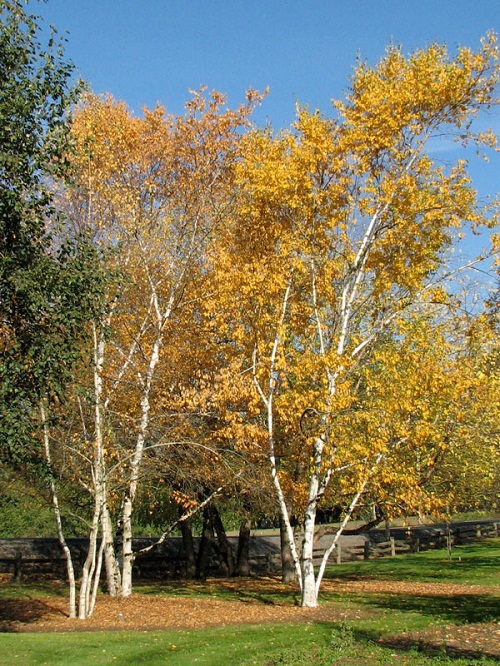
(43, 557)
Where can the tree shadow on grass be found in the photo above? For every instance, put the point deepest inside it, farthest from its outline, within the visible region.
(466, 626)
(16, 612)
(461, 642)
(267, 591)
(460, 608)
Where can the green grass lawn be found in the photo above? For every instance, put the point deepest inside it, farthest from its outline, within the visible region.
(474, 564)
(352, 642)
(271, 644)
(315, 644)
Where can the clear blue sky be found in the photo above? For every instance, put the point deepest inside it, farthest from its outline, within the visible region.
(144, 51)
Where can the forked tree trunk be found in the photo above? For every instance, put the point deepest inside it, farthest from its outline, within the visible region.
(226, 552)
(206, 544)
(243, 556)
(89, 567)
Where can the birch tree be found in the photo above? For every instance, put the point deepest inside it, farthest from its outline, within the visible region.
(154, 190)
(343, 225)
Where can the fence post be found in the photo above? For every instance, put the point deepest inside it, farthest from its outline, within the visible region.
(366, 550)
(495, 527)
(339, 552)
(393, 547)
(449, 544)
(18, 568)
(478, 531)
(269, 563)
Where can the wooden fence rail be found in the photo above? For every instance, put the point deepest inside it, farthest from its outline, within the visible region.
(410, 540)
(43, 557)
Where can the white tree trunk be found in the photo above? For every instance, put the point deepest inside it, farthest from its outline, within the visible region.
(97, 577)
(347, 518)
(128, 555)
(309, 593)
(57, 513)
(113, 575)
(89, 565)
(135, 465)
(286, 517)
(309, 598)
(268, 401)
(86, 603)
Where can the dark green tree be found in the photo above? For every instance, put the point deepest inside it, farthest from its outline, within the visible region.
(48, 279)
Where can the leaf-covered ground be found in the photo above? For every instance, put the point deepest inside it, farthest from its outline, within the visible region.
(250, 604)
(466, 640)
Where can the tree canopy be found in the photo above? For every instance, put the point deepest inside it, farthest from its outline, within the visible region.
(47, 279)
(269, 307)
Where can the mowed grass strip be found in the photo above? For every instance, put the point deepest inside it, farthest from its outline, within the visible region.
(269, 645)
